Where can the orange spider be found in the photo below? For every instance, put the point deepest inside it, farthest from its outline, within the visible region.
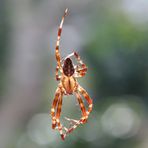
(68, 85)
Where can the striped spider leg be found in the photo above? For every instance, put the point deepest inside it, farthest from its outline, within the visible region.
(85, 113)
(68, 85)
(57, 104)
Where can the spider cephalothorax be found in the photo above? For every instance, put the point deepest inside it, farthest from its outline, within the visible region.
(68, 86)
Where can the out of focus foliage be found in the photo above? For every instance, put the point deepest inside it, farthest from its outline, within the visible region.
(118, 52)
(4, 27)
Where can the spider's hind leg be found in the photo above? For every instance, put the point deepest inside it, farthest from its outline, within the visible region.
(85, 113)
(88, 99)
(83, 119)
(53, 108)
(56, 112)
(83, 109)
(60, 127)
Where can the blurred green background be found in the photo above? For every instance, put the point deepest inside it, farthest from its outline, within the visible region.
(112, 39)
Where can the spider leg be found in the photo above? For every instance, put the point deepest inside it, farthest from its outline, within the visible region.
(58, 77)
(82, 65)
(60, 126)
(57, 103)
(72, 121)
(76, 123)
(57, 53)
(84, 117)
(84, 113)
(80, 73)
(82, 69)
(53, 107)
(88, 99)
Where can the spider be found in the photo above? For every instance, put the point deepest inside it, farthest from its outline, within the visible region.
(68, 85)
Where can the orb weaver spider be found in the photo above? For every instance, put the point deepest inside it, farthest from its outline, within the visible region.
(68, 85)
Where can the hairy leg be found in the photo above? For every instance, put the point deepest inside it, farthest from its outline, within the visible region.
(60, 127)
(80, 73)
(53, 107)
(57, 53)
(86, 114)
(56, 112)
(83, 119)
(58, 77)
(87, 97)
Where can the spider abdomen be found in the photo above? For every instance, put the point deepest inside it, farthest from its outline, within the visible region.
(68, 67)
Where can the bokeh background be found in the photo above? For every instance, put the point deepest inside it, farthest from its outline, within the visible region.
(112, 39)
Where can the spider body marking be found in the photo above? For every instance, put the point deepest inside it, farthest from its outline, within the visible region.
(68, 80)
(68, 85)
(68, 68)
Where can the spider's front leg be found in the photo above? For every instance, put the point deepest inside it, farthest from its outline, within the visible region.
(57, 53)
(80, 69)
(58, 77)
